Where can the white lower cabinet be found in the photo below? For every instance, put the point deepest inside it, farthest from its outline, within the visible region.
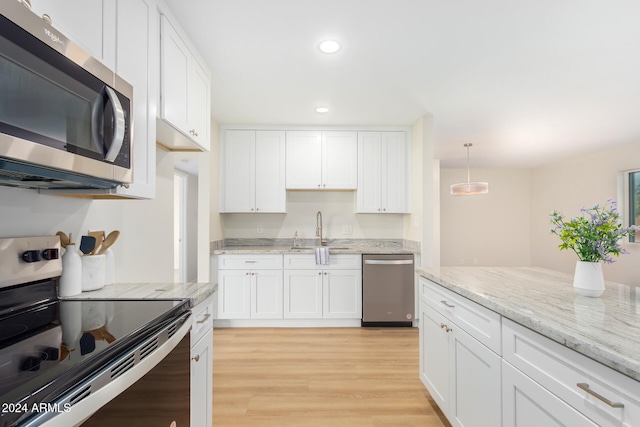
(289, 290)
(315, 294)
(250, 294)
(579, 390)
(527, 404)
(461, 374)
(330, 291)
(201, 370)
(250, 287)
(302, 294)
(485, 370)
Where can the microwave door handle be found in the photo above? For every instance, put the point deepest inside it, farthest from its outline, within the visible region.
(119, 126)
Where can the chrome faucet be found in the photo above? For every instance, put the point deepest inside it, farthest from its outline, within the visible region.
(319, 229)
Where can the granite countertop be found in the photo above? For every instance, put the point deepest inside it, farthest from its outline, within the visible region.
(195, 292)
(343, 246)
(606, 329)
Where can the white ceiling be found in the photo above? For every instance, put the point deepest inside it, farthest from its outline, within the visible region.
(526, 82)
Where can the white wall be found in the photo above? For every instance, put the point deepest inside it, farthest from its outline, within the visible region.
(144, 251)
(569, 185)
(337, 208)
(490, 229)
(430, 254)
(215, 221)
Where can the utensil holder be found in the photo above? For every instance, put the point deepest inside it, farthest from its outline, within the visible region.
(93, 272)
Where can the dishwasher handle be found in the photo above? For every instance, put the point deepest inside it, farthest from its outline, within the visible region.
(388, 262)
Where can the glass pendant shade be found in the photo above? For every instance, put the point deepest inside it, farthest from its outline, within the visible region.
(469, 188)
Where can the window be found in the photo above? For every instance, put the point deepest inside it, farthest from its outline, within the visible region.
(631, 207)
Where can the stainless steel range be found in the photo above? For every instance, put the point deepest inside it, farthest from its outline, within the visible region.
(97, 362)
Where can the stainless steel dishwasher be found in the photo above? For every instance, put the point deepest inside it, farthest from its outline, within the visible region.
(388, 291)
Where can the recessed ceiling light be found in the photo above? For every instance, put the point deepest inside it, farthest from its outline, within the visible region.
(322, 110)
(329, 46)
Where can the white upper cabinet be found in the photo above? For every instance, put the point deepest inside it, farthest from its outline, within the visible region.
(383, 172)
(185, 93)
(137, 53)
(89, 23)
(124, 35)
(322, 160)
(252, 171)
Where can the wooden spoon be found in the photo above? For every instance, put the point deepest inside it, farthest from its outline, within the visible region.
(99, 236)
(64, 239)
(109, 241)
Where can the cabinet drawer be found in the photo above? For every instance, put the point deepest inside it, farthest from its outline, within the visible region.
(476, 320)
(574, 378)
(249, 262)
(308, 262)
(202, 319)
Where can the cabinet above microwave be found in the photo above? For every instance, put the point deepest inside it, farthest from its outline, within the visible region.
(185, 94)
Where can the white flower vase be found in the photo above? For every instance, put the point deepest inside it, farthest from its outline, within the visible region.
(588, 280)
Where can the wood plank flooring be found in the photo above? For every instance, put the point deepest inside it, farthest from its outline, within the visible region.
(303, 377)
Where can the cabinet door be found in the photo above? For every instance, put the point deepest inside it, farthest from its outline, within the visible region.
(302, 294)
(395, 172)
(526, 403)
(137, 50)
(339, 160)
(238, 171)
(266, 294)
(89, 23)
(476, 382)
(199, 105)
(270, 192)
(369, 173)
(342, 294)
(174, 76)
(202, 381)
(304, 160)
(435, 356)
(234, 294)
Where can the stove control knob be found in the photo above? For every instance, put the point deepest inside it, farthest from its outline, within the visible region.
(31, 256)
(50, 254)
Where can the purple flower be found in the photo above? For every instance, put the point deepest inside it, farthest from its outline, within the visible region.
(595, 235)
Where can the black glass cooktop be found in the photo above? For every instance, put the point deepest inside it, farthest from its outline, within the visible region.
(47, 349)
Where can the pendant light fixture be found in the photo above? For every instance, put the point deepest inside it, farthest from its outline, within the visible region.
(469, 188)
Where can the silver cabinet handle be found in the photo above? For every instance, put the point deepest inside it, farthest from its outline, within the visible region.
(250, 261)
(204, 319)
(447, 304)
(445, 327)
(196, 358)
(585, 387)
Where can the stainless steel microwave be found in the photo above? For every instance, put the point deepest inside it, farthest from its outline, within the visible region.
(65, 118)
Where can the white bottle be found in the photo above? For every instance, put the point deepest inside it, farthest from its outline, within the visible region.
(71, 279)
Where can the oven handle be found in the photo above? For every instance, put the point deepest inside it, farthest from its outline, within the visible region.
(87, 406)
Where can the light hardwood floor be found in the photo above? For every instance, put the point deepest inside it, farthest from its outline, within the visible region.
(347, 377)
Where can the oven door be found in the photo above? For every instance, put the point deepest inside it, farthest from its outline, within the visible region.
(147, 386)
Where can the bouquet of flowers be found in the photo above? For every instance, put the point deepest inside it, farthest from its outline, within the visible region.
(595, 235)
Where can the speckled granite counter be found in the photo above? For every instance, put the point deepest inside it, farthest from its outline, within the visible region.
(606, 329)
(343, 246)
(196, 292)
